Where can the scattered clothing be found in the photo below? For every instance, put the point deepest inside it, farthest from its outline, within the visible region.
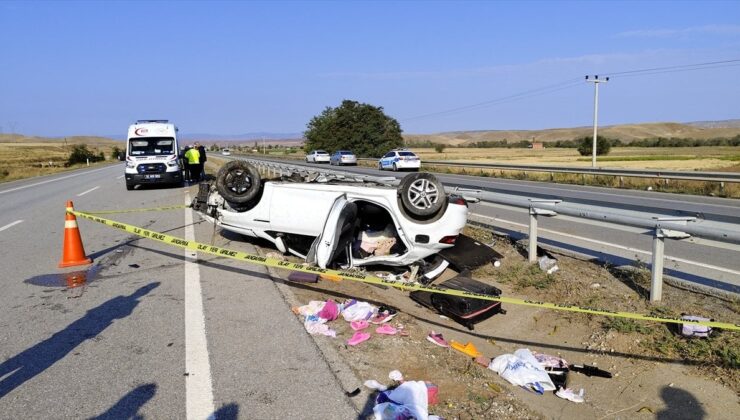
(357, 311)
(693, 330)
(568, 394)
(378, 242)
(408, 401)
(373, 384)
(522, 369)
(330, 311)
(437, 339)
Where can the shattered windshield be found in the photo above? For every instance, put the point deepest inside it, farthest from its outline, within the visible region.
(151, 146)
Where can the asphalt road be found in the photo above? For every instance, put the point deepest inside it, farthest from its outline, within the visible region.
(156, 332)
(694, 260)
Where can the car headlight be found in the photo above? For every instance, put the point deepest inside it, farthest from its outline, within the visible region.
(130, 165)
(172, 164)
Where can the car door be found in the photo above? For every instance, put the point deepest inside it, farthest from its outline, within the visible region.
(337, 233)
(386, 160)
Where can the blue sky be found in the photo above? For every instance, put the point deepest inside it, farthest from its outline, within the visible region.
(233, 67)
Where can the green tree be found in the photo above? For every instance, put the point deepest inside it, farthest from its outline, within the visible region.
(80, 154)
(361, 128)
(585, 145)
(439, 148)
(115, 154)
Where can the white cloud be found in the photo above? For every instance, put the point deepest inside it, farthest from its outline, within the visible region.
(682, 33)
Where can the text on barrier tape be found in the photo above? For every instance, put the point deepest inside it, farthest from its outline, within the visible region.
(364, 278)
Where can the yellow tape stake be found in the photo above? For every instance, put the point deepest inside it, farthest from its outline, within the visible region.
(348, 275)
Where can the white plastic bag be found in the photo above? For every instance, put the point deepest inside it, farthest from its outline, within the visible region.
(522, 369)
(407, 401)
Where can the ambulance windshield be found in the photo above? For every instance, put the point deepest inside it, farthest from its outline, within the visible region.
(151, 146)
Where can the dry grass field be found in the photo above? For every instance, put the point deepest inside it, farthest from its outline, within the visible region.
(24, 157)
(673, 158)
(625, 132)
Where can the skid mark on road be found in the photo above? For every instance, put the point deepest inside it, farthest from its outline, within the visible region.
(198, 387)
(90, 190)
(9, 225)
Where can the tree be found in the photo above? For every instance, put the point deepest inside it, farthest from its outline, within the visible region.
(585, 145)
(361, 128)
(80, 154)
(115, 154)
(439, 148)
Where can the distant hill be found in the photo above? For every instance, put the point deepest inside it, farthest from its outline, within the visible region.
(89, 140)
(272, 137)
(624, 132)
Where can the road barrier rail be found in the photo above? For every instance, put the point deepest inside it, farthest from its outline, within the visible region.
(661, 227)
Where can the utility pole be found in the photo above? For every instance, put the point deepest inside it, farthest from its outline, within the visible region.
(264, 150)
(596, 82)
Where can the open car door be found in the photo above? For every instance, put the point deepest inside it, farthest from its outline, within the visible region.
(337, 233)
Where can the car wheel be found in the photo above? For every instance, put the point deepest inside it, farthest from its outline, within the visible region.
(380, 166)
(395, 168)
(238, 182)
(422, 194)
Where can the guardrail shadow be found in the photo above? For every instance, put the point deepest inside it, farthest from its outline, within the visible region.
(34, 360)
(128, 406)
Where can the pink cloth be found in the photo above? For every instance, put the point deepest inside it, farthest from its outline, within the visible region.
(330, 311)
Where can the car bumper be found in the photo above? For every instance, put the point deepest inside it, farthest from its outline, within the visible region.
(348, 162)
(321, 160)
(163, 178)
(408, 164)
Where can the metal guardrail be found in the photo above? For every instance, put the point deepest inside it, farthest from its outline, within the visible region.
(634, 173)
(662, 228)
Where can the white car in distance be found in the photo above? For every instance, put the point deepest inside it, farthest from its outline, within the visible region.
(318, 156)
(336, 223)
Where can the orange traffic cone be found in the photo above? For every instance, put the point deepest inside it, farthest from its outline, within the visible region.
(73, 253)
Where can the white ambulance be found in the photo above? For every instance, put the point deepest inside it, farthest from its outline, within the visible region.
(152, 154)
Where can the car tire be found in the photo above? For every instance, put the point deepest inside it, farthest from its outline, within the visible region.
(395, 168)
(238, 182)
(380, 166)
(422, 195)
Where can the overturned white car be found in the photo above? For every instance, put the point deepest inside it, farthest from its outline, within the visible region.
(335, 222)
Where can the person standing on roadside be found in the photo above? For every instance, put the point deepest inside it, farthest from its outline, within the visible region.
(193, 158)
(202, 153)
(185, 164)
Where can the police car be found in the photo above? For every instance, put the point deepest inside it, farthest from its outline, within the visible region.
(399, 159)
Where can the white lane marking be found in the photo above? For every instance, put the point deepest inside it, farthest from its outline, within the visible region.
(54, 180)
(10, 225)
(611, 245)
(90, 190)
(119, 177)
(198, 388)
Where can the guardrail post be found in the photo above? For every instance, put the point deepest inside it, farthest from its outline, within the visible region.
(533, 213)
(532, 235)
(722, 187)
(621, 182)
(656, 276)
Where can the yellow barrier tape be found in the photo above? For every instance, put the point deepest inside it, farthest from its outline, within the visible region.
(163, 208)
(348, 275)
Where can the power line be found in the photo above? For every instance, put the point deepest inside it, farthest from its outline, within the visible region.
(567, 84)
(532, 92)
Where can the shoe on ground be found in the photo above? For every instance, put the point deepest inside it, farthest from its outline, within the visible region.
(436, 338)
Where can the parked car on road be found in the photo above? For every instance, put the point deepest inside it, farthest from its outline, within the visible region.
(399, 159)
(336, 222)
(317, 156)
(343, 157)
